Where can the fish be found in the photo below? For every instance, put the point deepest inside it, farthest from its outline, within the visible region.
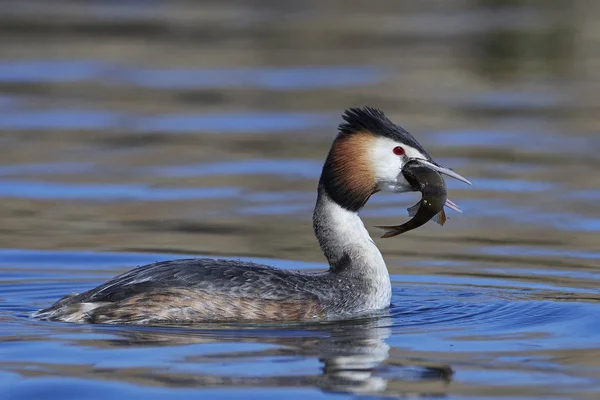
(431, 206)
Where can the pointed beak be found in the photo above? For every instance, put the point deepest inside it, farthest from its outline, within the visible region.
(445, 171)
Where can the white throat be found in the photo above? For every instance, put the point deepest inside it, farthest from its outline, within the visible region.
(351, 251)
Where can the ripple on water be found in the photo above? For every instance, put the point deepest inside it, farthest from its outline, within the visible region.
(304, 169)
(514, 100)
(68, 168)
(431, 315)
(51, 71)
(541, 251)
(509, 185)
(94, 259)
(473, 319)
(248, 122)
(281, 78)
(256, 122)
(59, 119)
(296, 78)
(33, 189)
(539, 141)
(7, 102)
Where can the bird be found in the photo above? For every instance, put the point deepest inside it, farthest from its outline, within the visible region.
(367, 156)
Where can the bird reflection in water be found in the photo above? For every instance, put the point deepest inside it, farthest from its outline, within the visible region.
(354, 354)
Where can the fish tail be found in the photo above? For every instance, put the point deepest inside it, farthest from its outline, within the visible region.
(390, 231)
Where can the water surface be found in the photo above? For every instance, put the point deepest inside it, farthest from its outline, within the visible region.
(147, 131)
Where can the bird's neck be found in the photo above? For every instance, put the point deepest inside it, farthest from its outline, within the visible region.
(351, 252)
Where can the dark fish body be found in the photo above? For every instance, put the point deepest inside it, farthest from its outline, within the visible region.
(434, 195)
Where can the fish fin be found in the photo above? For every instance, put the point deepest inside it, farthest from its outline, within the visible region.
(440, 217)
(412, 211)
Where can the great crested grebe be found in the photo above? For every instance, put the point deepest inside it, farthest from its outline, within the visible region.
(368, 155)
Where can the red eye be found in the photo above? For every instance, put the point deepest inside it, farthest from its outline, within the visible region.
(399, 151)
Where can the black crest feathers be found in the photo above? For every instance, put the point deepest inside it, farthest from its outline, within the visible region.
(374, 121)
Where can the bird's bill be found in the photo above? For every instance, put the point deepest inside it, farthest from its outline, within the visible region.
(445, 171)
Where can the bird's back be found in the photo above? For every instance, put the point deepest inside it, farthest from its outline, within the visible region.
(194, 290)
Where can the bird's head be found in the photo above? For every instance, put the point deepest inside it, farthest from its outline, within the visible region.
(369, 155)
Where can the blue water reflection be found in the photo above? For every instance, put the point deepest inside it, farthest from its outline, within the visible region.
(250, 122)
(283, 78)
(30, 189)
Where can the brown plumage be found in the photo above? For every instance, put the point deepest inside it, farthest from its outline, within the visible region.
(348, 175)
(177, 305)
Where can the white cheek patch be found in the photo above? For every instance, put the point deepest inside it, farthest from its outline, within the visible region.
(388, 165)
